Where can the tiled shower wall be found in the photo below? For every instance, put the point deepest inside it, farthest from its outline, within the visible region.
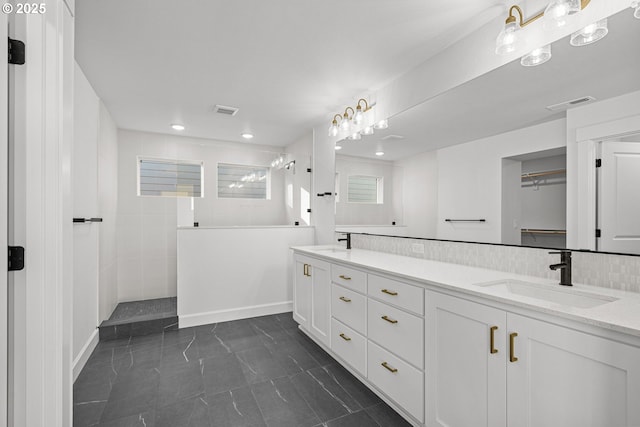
(608, 271)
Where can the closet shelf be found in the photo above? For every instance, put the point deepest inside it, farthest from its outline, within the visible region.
(542, 231)
(544, 173)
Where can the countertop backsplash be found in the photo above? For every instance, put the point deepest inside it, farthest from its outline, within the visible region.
(604, 270)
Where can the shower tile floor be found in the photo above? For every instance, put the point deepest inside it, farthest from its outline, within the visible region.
(253, 372)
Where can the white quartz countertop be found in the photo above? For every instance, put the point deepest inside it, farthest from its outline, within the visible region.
(621, 315)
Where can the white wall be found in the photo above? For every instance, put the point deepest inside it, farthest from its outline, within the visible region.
(107, 207)
(147, 225)
(94, 195)
(233, 273)
(365, 213)
(420, 193)
(470, 179)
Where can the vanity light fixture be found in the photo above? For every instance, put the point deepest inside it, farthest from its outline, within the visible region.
(367, 131)
(358, 117)
(636, 5)
(537, 56)
(557, 12)
(590, 34)
(177, 126)
(345, 124)
(334, 128)
(355, 136)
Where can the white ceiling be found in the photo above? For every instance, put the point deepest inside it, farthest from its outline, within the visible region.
(287, 64)
(513, 96)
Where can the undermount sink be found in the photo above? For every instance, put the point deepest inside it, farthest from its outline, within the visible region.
(332, 250)
(564, 296)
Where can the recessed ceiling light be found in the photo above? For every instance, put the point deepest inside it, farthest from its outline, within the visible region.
(338, 147)
(247, 135)
(176, 126)
(379, 153)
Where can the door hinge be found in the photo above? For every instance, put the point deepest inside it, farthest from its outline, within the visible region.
(309, 210)
(309, 170)
(598, 233)
(16, 258)
(598, 163)
(16, 52)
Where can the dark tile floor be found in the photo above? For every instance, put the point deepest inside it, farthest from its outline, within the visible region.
(253, 372)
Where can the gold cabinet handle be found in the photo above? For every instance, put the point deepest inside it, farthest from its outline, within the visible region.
(344, 337)
(309, 270)
(345, 299)
(305, 271)
(343, 277)
(388, 319)
(388, 292)
(512, 357)
(389, 368)
(493, 349)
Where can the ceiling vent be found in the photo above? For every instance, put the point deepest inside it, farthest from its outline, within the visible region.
(569, 104)
(227, 111)
(392, 137)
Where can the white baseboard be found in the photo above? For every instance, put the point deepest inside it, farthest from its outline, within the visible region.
(197, 319)
(84, 354)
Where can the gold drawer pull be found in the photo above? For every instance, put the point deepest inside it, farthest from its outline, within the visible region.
(493, 349)
(345, 299)
(388, 292)
(512, 357)
(389, 368)
(344, 337)
(343, 277)
(390, 320)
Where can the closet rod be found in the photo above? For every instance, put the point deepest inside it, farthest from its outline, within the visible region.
(541, 231)
(545, 173)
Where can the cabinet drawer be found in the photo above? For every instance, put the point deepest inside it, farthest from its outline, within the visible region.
(349, 278)
(397, 293)
(349, 345)
(397, 379)
(349, 307)
(397, 331)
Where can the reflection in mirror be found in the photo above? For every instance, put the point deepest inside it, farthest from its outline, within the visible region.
(494, 150)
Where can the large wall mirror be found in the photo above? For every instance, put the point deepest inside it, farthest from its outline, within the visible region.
(488, 161)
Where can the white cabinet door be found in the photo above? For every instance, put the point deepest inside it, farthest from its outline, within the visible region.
(465, 380)
(320, 321)
(571, 379)
(301, 292)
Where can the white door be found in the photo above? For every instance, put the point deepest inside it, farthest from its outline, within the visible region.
(465, 369)
(619, 198)
(4, 224)
(571, 379)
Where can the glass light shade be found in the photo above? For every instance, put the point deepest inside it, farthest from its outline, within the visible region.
(537, 56)
(590, 34)
(507, 39)
(382, 124)
(358, 117)
(556, 13)
(368, 130)
(636, 5)
(345, 125)
(355, 136)
(333, 129)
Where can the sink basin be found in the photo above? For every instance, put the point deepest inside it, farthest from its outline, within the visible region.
(331, 250)
(555, 294)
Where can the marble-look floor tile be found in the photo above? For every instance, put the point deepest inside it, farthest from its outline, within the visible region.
(282, 406)
(291, 355)
(258, 365)
(235, 408)
(357, 419)
(145, 419)
(131, 397)
(179, 382)
(181, 353)
(88, 413)
(192, 412)
(385, 416)
(351, 385)
(324, 395)
(321, 356)
(222, 373)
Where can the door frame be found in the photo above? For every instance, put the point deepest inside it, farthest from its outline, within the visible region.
(587, 139)
(4, 223)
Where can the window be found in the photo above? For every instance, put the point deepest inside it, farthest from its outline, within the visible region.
(364, 189)
(243, 182)
(169, 178)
